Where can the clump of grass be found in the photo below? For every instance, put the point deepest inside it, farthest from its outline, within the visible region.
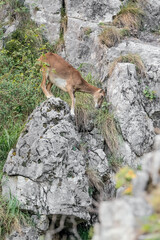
(87, 31)
(105, 122)
(131, 58)
(11, 217)
(115, 162)
(130, 16)
(94, 179)
(110, 36)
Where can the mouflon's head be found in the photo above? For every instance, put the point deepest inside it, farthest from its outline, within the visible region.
(99, 97)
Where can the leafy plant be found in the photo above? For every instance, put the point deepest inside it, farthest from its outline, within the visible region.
(150, 94)
(124, 178)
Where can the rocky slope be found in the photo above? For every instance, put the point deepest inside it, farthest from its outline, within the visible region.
(47, 170)
(53, 170)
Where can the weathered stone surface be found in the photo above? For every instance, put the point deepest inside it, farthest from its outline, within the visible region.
(93, 10)
(150, 57)
(46, 14)
(87, 52)
(41, 222)
(26, 233)
(47, 169)
(118, 218)
(151, 13)
(125, 216)
(123, 93)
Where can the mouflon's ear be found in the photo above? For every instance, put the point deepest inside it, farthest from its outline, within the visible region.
(101, 90)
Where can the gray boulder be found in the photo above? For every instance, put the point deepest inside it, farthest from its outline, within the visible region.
(47, 14)
(47, 169)
(135, 125)
(118, 218)
(26, 233)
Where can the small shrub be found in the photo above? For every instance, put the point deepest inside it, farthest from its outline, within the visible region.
(17, 9)
(124, 178)
(148, 93)
(131, 58)
(109, 36)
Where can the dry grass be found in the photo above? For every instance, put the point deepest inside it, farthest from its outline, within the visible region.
(106, 124)
(131, 58)
(110, 36)
(94, 179)
(83, 110)
(130, 16)
(110, 133)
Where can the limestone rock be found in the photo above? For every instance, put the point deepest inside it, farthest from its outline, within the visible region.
(118, 218)
(93, 10)
(26, 233)
(123, 93)
(47, 169)
(151, 9)
(47, 14)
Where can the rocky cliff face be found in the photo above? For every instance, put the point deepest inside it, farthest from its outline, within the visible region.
(54, 168)
(84, 24)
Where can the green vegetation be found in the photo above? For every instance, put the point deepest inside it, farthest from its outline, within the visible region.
(151, 224)
(106, 123)
(131, 58)
(115, 163)
(86, 232)
(126, 23)
(20, 93)
(11, 217)
(87, 31)
(19, 83)
(124, 179)
(16, 9)
(148, 93)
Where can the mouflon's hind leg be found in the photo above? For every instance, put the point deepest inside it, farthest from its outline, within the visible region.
(49, 85)
(43, 84)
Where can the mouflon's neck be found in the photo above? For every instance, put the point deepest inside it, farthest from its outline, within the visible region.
(88, 88)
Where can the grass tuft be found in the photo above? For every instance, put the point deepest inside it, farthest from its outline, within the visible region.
(94, 179)
(130, 16)
(11, 217)
(131, 58)
(110, 36)
(105, 122)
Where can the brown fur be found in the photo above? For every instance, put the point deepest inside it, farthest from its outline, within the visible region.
(66, 77)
